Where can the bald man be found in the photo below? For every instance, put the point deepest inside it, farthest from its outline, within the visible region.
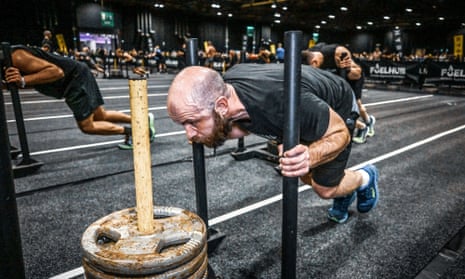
(250, 100)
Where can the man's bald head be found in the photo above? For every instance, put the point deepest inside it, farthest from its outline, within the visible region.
(194, 89)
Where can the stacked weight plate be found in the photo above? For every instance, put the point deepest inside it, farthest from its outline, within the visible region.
(112, 247)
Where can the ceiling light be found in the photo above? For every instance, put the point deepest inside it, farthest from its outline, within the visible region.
(331, 16)
(215, 6)
(408, 10)
(441, 18)
(277, 15)
(230, 15)
(344, 9)
(284, 8)
(358, 27)
(219, 13)
(317, 26)
(157, 5)
(273, 5)
(277, 21)
(323, 22)
(386, 17)
(418, 24)
(370, 23)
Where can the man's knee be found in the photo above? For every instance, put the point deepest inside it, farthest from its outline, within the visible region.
(86, 126)
(324, 192)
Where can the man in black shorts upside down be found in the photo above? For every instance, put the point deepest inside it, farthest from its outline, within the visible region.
(61, 77)
(249, 99)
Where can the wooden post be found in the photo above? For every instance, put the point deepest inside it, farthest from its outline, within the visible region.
(141, 151)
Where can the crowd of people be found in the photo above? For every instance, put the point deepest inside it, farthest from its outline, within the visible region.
(441, 55)
(106, 63)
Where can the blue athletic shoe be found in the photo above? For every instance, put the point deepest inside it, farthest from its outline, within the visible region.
(368, 197)
(151, 127)
(339, 213)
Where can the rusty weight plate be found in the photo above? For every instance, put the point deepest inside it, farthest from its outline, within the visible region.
(114, 245)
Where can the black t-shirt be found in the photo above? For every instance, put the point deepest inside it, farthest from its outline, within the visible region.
(260, 87)
(71, 68)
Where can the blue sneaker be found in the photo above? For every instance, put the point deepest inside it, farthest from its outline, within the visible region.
(151, 127)
(339, 213)
(368, 197)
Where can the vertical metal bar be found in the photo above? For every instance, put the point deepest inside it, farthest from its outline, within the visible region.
(17, 107)
(197, 148)
(11, 255)
(240, 144)
(292, 76)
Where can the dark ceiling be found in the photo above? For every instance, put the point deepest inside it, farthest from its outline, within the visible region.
(307, 14)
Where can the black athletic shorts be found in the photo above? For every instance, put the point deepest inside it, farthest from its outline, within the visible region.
(357, 87)
(83, 94)
(331, 173)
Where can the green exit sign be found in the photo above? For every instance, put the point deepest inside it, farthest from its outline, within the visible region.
(107, 19)
(250, 31)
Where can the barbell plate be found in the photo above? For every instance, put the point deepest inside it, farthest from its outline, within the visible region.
(195, 269)
(114, 244)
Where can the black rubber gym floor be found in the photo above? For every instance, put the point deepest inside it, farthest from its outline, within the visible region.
(412, 233)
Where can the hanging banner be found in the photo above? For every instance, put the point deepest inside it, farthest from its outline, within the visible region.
(386, 69)
(427, 71)
(397, 36)
(61, 44)
(445, 72)
(458, 45)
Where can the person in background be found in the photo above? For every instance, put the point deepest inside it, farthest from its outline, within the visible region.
(87, 58)
(338, 60)
(280, 53)
(47, 41)
(210, 53)
(61, 77)
(181, 56)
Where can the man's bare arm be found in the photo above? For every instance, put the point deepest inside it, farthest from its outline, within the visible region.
(35, 70)
(298, 160)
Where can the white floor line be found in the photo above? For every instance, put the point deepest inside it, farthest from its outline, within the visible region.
(70, 274)
(62, 100)
(162, 108)
(113, 142)
(252, 207)
(398, 100)
(70, 115)
(33, 92)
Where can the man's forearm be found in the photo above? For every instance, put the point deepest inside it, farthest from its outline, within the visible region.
(334, 141)
(355, 72)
